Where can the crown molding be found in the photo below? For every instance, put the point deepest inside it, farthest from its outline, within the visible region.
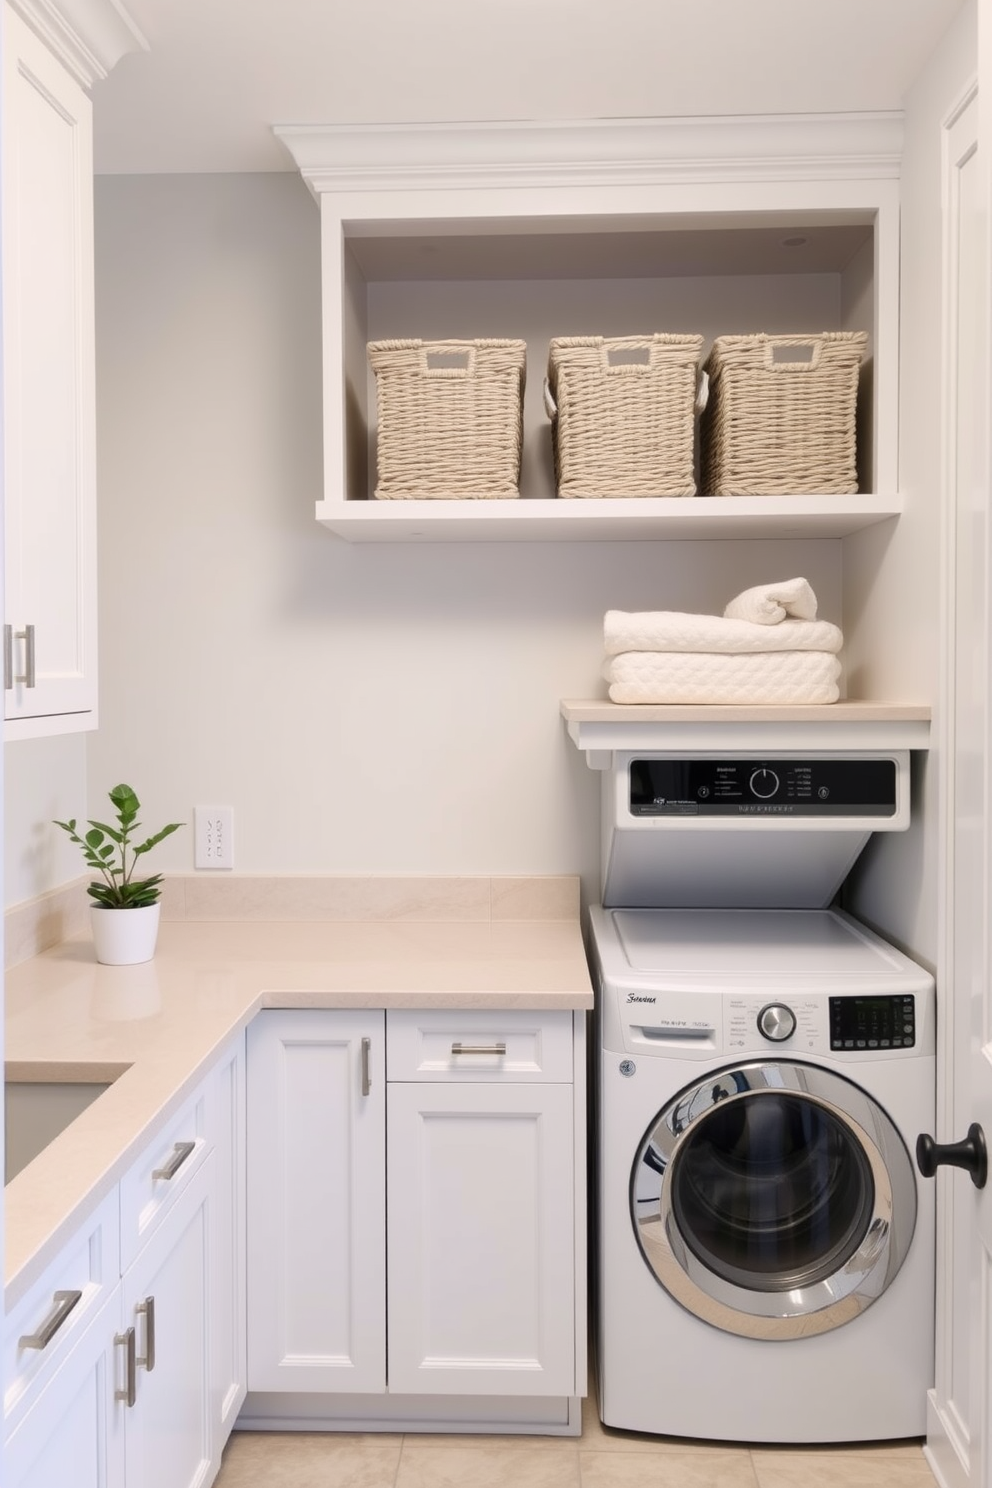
(88, 36)
(772, 147)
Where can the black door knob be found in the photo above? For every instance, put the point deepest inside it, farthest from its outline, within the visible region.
(971, 1154)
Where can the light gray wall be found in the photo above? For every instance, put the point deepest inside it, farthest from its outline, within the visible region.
(892, 577)
(363, 708)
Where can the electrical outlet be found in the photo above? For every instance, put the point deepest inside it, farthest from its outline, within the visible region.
(213, 836)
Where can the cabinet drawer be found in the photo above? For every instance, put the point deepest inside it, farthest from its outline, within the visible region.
(47, 1321)
(479, 1046)
(153, 1183)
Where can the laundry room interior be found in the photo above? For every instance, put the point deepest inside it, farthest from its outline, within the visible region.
(438, 797)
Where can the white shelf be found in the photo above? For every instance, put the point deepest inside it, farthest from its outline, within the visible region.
(623, 519)
(598, 727)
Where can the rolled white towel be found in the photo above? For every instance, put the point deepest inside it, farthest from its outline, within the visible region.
(768, 604)
(670, 630)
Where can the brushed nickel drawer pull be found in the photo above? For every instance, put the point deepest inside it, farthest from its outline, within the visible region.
(64, 1303)
(366, 1066)
(147, 1360)
(130, 1390)
(180, 1152)
(499, 1048)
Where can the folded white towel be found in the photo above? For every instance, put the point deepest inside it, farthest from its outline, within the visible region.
(670, 630)
(691, 677)
(768, 604)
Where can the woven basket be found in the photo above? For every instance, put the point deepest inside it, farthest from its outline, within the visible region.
(623, 414)
(781, 415)
(450, 418)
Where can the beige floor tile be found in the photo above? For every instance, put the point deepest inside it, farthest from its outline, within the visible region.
(599, 1438)
(846, 1467)
(265, 1459)
(669, 1467)
(488, 1463)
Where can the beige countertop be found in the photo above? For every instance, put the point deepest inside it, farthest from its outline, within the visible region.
(154, 1029)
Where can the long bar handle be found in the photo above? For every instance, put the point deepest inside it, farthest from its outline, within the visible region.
(497, 1048)
(366, 1066)
(180, 1152)
(64, 1303)
(130, 1391)
(147, 1359)
(29, 671)
(10, 635)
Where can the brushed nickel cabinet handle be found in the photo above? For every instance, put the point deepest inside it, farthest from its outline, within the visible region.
(147, 1359)
(64, 1303)
(29, 673)
(366, 1066)
(498, 1048)
(129, 1393)
(180, 1152)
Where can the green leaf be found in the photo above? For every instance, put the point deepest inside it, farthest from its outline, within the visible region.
(107, 831)
(153, 841)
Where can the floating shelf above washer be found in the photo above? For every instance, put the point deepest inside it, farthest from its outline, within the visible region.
(599, 727)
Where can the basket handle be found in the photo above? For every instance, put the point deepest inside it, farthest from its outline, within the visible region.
(456, 361)
(550, 406)
(627, 358)
(796, 354)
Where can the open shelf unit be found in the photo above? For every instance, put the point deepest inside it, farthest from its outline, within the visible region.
(620, 228)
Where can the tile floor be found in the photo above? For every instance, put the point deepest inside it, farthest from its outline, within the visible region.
(599, 1458)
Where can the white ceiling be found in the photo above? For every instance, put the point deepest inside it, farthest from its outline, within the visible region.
(219, 73)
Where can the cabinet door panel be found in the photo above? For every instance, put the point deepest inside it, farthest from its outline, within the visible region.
(227, 1341)
(482, 1239)
(48, 345)
(316, 1203)
(167, 1435)
(73, 1433)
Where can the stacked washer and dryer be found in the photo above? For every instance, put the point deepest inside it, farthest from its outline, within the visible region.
(764, 1245)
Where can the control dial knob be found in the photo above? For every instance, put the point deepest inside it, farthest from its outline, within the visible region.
(764, 783)
(776, 1022)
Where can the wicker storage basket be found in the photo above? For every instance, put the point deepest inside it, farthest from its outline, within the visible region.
(623, 414)
(450, 418)
(780, 419)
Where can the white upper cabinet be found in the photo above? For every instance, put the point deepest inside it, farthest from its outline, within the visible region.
(616, 228)
(49, 410)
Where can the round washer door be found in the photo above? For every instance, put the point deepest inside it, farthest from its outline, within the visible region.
(773, 1199)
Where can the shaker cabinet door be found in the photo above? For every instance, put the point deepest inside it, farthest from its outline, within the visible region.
(316, 1202)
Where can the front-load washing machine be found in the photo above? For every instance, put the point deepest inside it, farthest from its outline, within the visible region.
(765, 1267)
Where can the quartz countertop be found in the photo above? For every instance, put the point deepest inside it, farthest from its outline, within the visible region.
(156, 1028)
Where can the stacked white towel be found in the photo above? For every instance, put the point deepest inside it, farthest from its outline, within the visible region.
(767, 647)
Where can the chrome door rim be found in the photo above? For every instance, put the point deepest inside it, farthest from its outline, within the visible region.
(802, 1310)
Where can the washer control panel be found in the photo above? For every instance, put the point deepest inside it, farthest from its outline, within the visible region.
(872, 1023)
(759, 786)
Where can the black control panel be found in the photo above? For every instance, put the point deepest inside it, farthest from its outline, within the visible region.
(871, 1023)
(763, 787)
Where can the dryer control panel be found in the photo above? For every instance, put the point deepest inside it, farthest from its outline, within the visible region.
(762, 787)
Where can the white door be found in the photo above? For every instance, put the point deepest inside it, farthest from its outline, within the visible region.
(481, 1239)
(961, 1434)
(317, 1202)
(166, 1299)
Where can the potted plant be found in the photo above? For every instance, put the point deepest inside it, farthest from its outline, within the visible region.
(121, 939)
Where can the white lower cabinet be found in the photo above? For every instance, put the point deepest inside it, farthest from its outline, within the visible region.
(481, 1265)
(166, 1297)
(124, 1366)
(454, 1187)
(316, 1202)
(73, 1432)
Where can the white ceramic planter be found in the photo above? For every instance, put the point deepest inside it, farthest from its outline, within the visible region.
(124, 937)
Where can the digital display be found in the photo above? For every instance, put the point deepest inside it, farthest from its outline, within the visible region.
(762, 787)
(868, 1023)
